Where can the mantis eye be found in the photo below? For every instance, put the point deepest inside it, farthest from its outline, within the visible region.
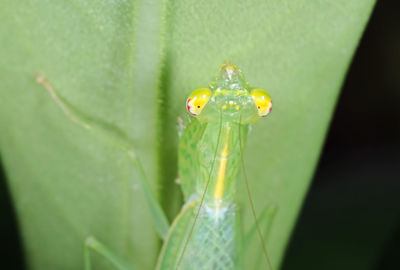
(197, 100)
(262, 100)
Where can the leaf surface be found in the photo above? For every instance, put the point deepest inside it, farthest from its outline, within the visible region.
(132, 64)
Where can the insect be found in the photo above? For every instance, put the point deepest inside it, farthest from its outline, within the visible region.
(206, 234)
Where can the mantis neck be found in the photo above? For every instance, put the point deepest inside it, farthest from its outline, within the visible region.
(222, 176)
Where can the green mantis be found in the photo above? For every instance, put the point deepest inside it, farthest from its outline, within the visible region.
(206, 234)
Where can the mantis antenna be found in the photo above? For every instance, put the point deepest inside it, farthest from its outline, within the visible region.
(202, 197)
(253, 211)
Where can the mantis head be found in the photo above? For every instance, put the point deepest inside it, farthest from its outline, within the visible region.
(231, 97)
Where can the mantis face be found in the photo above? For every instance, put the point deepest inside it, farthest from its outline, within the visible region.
(231, 96)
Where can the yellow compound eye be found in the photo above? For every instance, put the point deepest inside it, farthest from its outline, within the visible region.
(262, 100)
(197, 100)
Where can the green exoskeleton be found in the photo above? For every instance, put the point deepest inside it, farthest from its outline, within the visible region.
(206, 234)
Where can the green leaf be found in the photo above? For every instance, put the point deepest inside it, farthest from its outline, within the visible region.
(131, 64)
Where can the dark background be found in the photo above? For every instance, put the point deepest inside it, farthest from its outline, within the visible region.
(351, 216)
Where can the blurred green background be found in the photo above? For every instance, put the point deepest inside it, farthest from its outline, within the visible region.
(351, 216)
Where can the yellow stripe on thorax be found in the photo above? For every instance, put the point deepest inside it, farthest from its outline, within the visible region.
(220, 186)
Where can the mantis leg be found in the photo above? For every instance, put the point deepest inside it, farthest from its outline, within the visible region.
(266, 220)
(177, 235)
(118, 138)
(94, 244)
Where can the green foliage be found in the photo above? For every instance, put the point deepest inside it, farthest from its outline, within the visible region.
(131, 64)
